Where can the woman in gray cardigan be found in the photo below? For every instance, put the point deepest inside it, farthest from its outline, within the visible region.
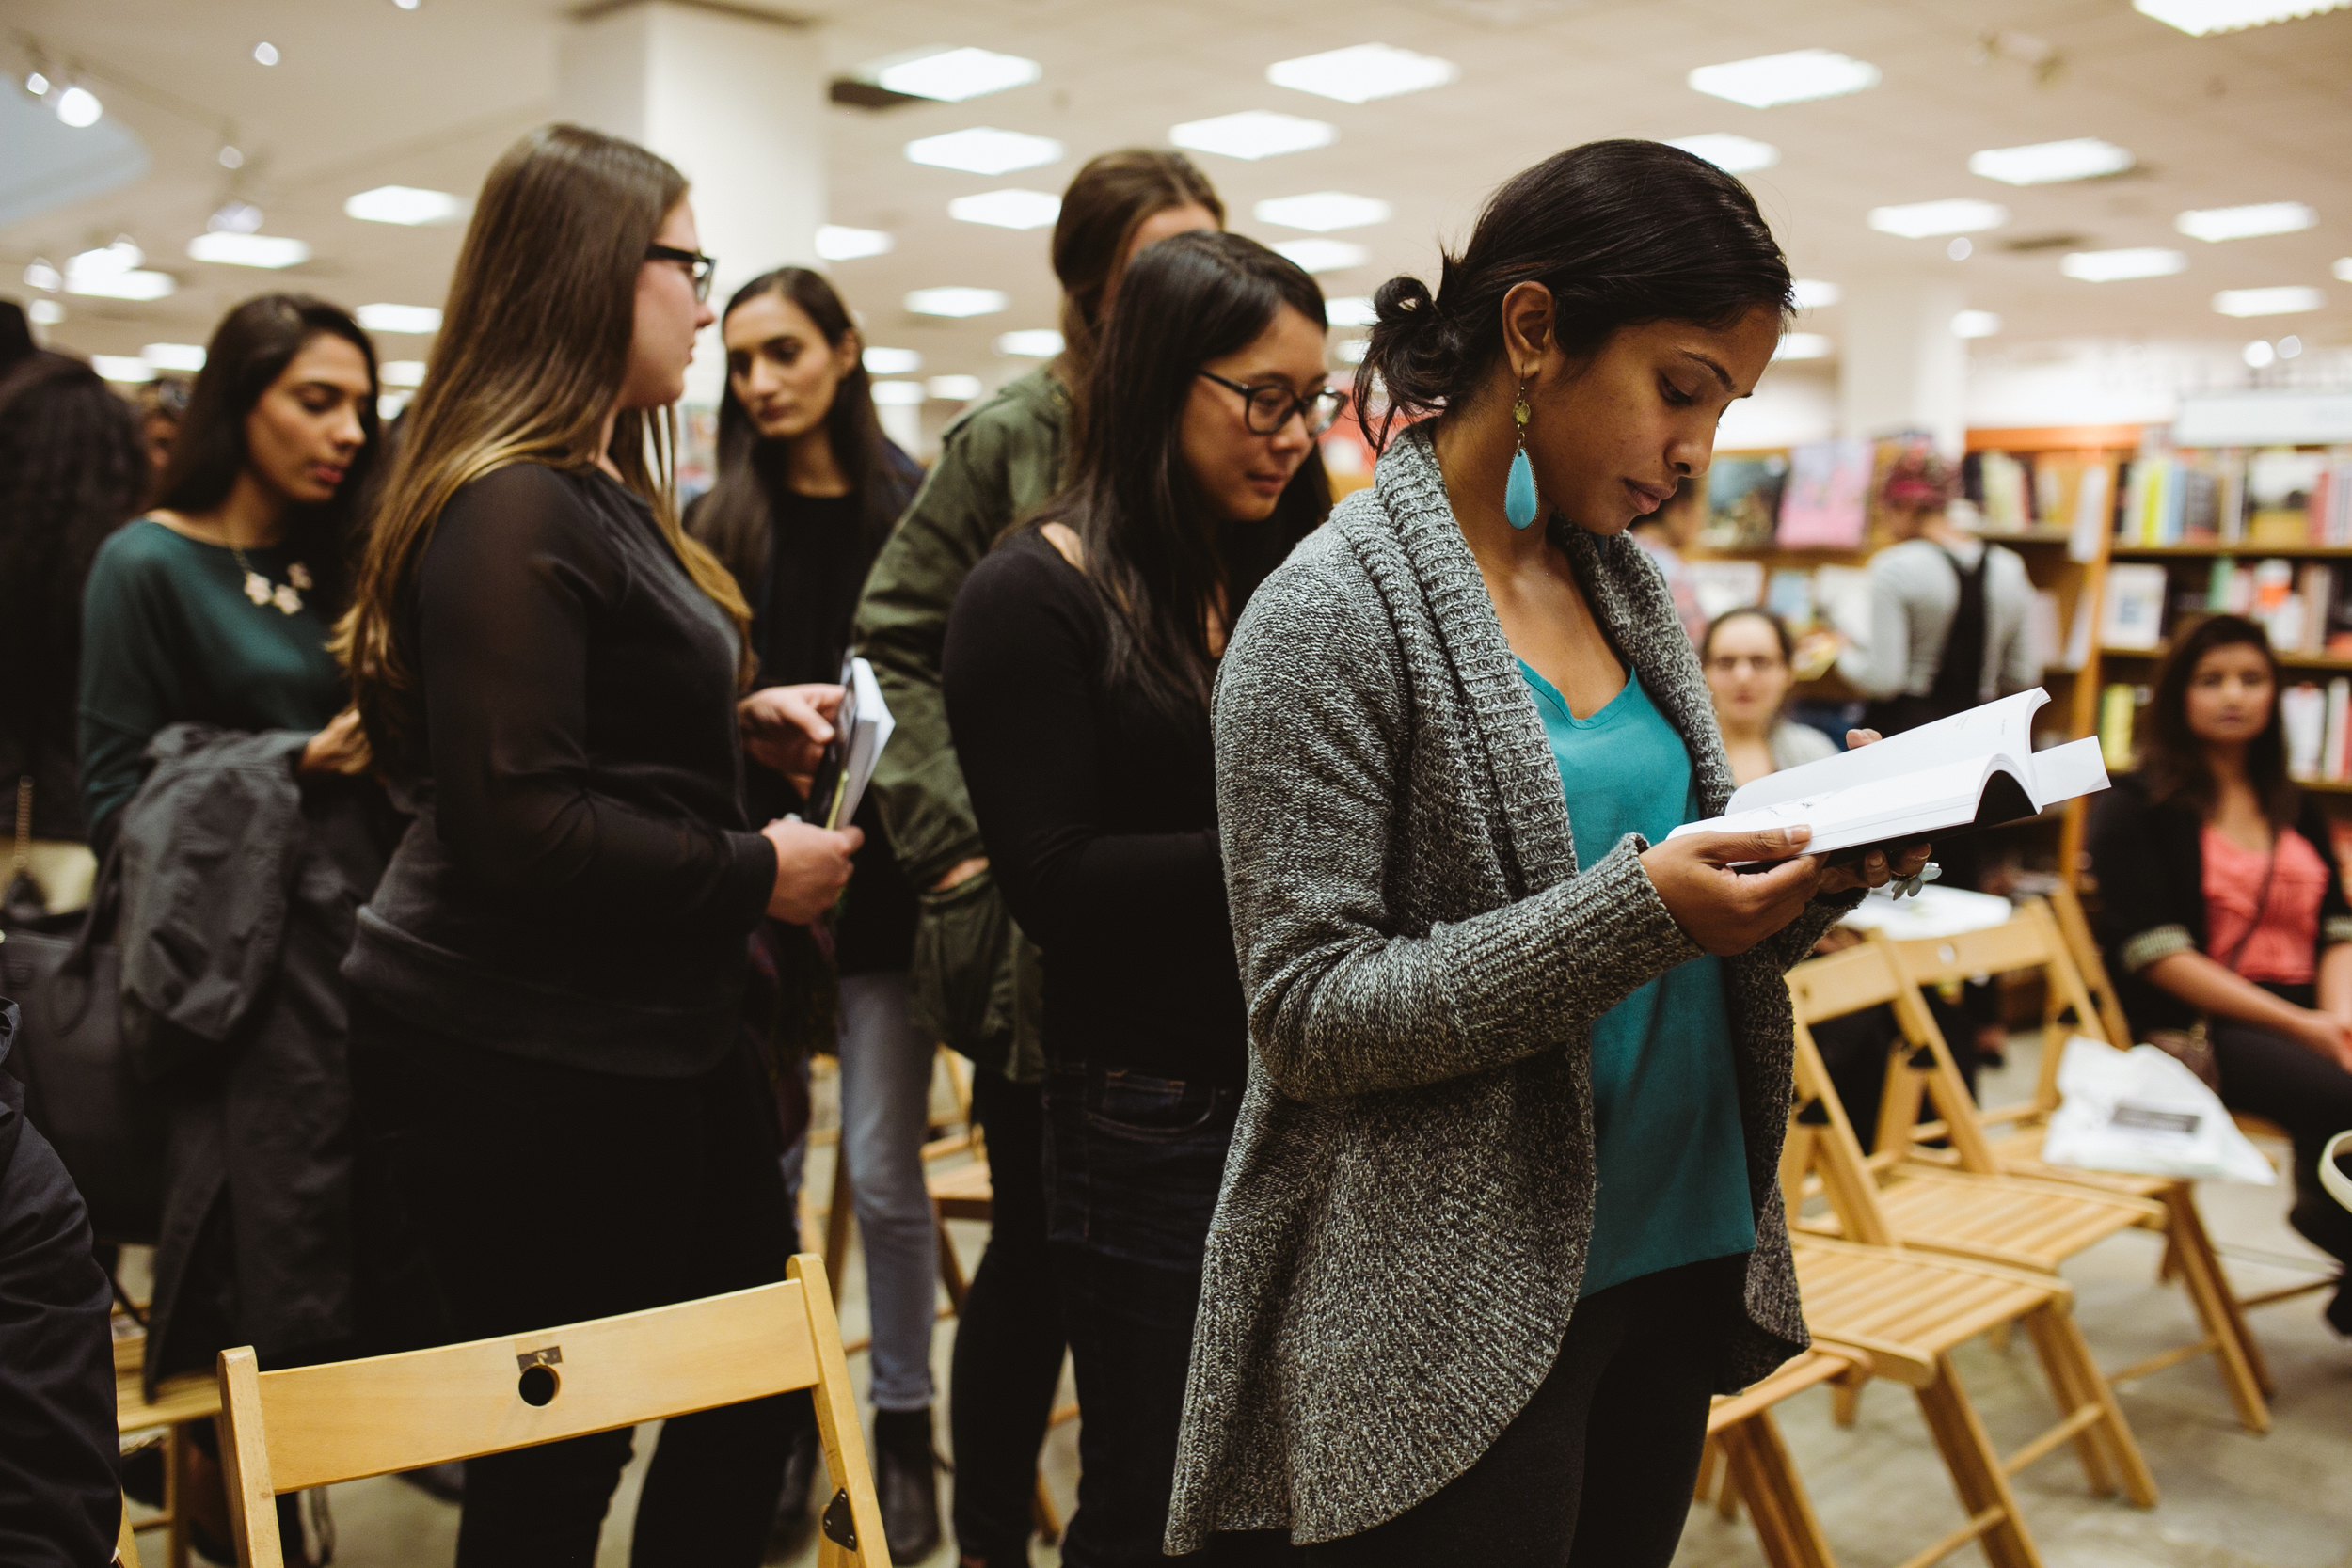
(1500, 1211)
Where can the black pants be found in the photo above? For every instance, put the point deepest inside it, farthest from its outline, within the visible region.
(1597, 1471)
(2311, 1097)
(545, 1195)
(1008, 1336)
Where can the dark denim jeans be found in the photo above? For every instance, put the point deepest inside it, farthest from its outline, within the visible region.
(1132, 1169)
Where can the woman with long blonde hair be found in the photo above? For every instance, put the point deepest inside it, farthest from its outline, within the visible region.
(545, 1039)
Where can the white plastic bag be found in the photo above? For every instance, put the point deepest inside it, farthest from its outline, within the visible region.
(2141, 1111)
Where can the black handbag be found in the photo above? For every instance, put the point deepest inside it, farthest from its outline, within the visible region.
(81, 1089)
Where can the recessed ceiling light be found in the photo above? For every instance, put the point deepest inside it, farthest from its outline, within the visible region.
(127, 368)
(388, 406)
(120, 256)
(1802, 345)
(79, 108)
(2291, 299)
(2343, 269)
(1795, 77)
(404, 204)
(1363, 73)
(1350, 311)
(41, 274)
(1325, 255)
(956, 301)
(2216, 224)
(1352, 350)
(899, 394)
(233, 217)
(248, 251)
(1252, 134)
(265, 53)
(1920, 219)
(230, 157)
(2110, 266)
(113, 272)
(2259, 355)
(44, 312)
(1960, 249)
(954, 388)
(1323, 210)
(2289, 346)
(401, 372)
(1030, 342)
(1813, 294)
(1012, 209)
(953, 75)
(2199, 17)
(36, 84)
(1730, 153)
(2047, 163)
(1976, 324)
(983, 150)
(399, 318)
(174, 357)
(837, 243)
(891, 361)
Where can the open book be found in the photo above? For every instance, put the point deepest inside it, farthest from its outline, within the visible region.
(1972, 770)
(860, 730)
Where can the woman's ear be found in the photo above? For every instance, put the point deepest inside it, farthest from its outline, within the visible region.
(1528, 329)
(847, 352)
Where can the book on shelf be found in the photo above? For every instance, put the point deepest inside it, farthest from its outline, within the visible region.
(1743, 502)
(2131, 612)
(1723, 586)
(2339, 727)
(2303, 717)
(1826, 504)
(2277, 498)
(2118, 705)
(2041, 631)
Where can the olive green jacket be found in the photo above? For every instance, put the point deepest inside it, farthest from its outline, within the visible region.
(975, 980)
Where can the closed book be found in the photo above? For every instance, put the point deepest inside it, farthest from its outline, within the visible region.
(2332, 757)
(2303, 715)
(2116, 705)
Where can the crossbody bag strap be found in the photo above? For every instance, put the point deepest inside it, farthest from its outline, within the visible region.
(2262, 905)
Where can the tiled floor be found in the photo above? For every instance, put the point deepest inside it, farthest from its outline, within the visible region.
(2229, 1501)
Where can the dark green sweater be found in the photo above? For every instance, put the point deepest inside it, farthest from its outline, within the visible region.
(168, 636)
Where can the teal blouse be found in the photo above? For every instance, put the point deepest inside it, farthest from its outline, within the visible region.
(168, 634)
(1669, 1151)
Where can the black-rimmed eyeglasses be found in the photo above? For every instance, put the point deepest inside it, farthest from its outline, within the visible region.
(1267, 409)
(698, 266)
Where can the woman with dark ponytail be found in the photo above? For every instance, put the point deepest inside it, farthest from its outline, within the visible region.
(1499, 1025)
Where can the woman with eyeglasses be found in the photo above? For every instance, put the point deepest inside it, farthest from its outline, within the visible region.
(1746, 655)
(1079, 661)
(546, 1046)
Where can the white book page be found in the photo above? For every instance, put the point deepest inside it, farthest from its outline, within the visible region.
(1919, 803)
(2003, 728)
(870, 733)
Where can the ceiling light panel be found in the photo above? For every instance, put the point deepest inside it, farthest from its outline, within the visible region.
(399, 318)
(956, 302)
(1920, 220)
(1813, 294)
(2114, 266)
(1010, 209)
(2343, 268)
(953, 75)
(899, 394)
(2200, 17)
(2288, 301)
(1323, 210)
(134, 284)
(837, 243)
(1730, 153)
(186, 357)
(2216, 224)
(1802, 345)
(954, 388)
(1030, 342)
(1350, 311)
(2047, 163)
(1363, 73)
(405, 204)
(127, 368)
(1253, 133)
(1976, 324)
(79, 108)
(1325, 255)
(892, 361)
(1795, 77)
(401, 372)
(984, 150)
(248, 251)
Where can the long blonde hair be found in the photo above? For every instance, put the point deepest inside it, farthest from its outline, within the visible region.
(531, 354)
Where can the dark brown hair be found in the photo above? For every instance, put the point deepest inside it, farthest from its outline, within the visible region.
(1787, 644)
(2172, 758)
(1105, 205)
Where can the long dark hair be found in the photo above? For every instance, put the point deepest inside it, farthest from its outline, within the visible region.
(736, 518)
(250, 349)
(1106, 202)
(1151, 548)
(1621, 233)
(73, 469)
(2172, 758)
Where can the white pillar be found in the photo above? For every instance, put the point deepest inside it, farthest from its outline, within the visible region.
(1900, 367)
(737, 103)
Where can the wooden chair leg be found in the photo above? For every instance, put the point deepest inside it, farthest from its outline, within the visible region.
(1977, 1473)
(837, 1216)
(2071, 1394)
(175, 1497)
(126, 1540)
(2241, 1360)
(1711, 1471)
(844, 1444)
(1845, 1397)
(1758, 1467)
(950, 1271)
(2140, 1484)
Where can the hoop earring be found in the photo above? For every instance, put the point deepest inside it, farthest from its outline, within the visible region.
(1518, 493)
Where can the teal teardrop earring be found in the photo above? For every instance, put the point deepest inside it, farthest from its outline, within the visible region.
(1518, 493)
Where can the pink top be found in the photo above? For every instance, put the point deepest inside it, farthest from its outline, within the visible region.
(2282, 946)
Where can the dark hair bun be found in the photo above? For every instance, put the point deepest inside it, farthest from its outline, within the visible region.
(1404, 302)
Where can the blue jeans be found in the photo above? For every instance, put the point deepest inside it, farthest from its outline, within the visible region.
(885, 1101)
(1132, 1169)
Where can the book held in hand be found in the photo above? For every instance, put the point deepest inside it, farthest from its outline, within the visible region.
(860, 728)
(1975, 769)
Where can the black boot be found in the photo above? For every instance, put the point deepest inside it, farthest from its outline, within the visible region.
(790, 1529)
(906, 1482)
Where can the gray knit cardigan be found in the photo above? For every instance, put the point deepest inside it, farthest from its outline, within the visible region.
(1402, 1228)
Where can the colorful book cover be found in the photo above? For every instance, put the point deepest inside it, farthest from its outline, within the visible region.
(1825, 506)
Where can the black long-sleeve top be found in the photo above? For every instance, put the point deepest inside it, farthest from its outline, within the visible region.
(580, 880)
(1099, 813)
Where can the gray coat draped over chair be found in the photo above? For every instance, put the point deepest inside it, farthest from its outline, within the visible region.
(1403, 1225)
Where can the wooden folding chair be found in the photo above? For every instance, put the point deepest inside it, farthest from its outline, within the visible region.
(1902, 1312)
(180, 1404)
(311, 1426)
(2007, 1141)
(1744, 1443)
(126, 1540)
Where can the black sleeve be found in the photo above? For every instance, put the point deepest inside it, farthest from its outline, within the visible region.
(60, 1487)
(1025, 649)
(507, 595)
(2311, 822)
